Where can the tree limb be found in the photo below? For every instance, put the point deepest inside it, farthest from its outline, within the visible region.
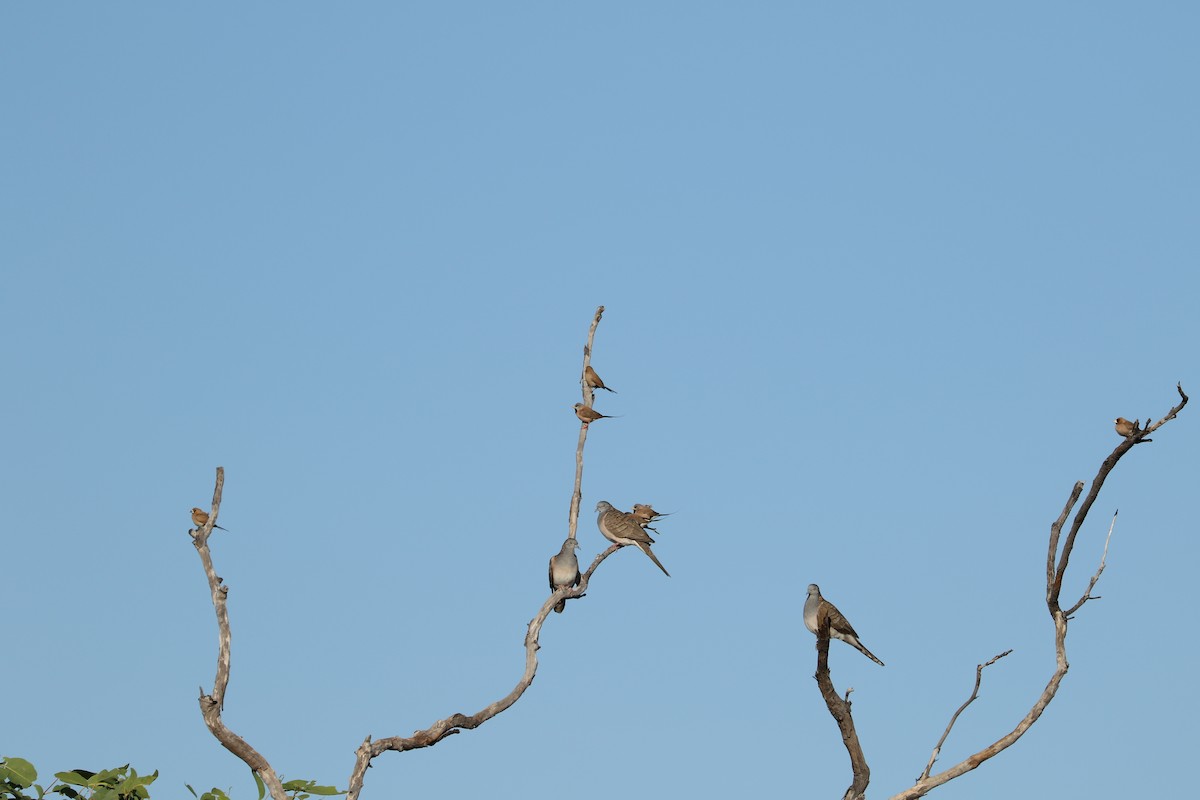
(1054, 579)
(839, 709)
(211, 705)
(588, 399)
(937, 748)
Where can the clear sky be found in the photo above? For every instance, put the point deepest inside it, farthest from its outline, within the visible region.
(879, 277)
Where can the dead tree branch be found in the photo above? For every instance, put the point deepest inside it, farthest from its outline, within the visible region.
(211, 705)
(937, 748)
(589, 397)
(1055, 572)
(839, 709)
(454, 723)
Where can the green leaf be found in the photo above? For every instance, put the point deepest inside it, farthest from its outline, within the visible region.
(18, 770)
(262, 789)
(190, 789)
(324, 790)
(77, 777)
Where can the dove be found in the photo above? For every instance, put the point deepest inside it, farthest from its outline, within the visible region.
(564, 570)
(201, 519)
(587, 414)
(839, 627)
(593, 380)
(621, 528)
(1125, 427)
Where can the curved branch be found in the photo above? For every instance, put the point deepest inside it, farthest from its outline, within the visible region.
(839, 709)
(457, 722)
(211, 705)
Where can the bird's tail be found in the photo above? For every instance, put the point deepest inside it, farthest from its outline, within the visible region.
(868, 653)
(645, 548)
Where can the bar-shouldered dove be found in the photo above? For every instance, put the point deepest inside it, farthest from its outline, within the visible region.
(564, 570)
(593, 380)
(839, 627)
(200, 518)
(621, 528)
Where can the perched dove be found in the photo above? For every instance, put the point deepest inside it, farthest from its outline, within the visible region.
(1125, 427)
(621, 528)
(588, 414)
(839, 626)
(593, 380)
(564, 570)
(201, 519)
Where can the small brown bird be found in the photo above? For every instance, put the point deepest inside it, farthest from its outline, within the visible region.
(1126, 428)
(593, 380)
(201, 519)
(588, 414)
(564, 570)
(644, 513)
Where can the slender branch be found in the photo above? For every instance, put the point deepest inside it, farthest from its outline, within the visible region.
(839, 709)
(1054, 578)
(211, 705)
(1087, 593)
(937, 748)
(588, 399)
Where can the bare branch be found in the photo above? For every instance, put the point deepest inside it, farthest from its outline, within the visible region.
(839, 709)
(1054, 579)
(455, 723)
(1105, 468)
(588, 399)
(1087, 594)
(937, 748)
(211, 705)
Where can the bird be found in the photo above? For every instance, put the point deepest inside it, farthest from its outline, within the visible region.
(593, 380)
(644, 513)
(621, 528)
(588, 414)
(564, 570)
(201, 519)
(1126, 428)
(839, 627)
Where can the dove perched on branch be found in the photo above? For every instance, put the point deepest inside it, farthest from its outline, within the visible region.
(564, 570)
(816, 607)
(621, 528)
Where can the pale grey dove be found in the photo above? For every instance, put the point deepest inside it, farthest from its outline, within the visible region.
(593, 380)
(839, 627)
(621, 528)
(588, 414)
(564, 570)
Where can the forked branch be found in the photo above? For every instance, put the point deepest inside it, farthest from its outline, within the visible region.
(1056, 567)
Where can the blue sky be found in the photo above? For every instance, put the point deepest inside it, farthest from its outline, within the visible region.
(878, 279)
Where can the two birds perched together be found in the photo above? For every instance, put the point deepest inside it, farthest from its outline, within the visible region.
(587, 414)
(616, 526)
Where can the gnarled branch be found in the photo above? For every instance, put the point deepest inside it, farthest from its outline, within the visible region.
(211, 705)
(839, 709)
